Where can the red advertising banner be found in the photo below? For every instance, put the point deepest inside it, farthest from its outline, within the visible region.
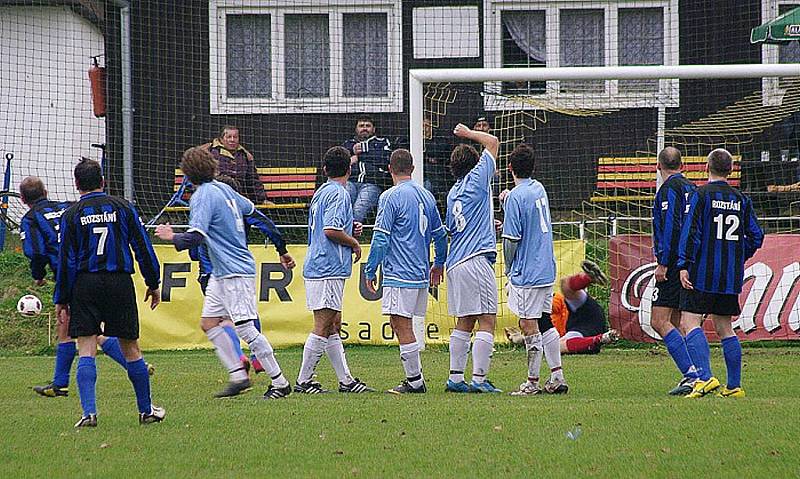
(770, 297)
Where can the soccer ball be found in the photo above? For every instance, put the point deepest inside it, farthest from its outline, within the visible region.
(29, 305)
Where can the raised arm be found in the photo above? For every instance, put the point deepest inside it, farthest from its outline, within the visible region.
(489, 141)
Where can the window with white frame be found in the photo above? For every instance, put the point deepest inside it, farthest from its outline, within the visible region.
(562, 33)
(280, 57)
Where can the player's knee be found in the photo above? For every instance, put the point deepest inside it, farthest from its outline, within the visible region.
(529, 326)
(247, 331)
(130, 349)
(545, 322)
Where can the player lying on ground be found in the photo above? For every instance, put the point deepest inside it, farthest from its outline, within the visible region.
(94, 292)
(265, 225)
(577, 317)
(669, 209)
(719, 234)
(39, 235)
(531, 271)
(216, 219)
(406, 223)
(471, 287)
(332, 250)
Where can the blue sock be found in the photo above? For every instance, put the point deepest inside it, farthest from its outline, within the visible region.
(86, 377)
(235, 340)
(257, 324)
(732, 351)
(113, 351)
(137, 373)
(697, 346)
(677, 349)
(65, 353)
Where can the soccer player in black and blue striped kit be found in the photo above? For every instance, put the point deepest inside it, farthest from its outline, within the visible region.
(720, 232)
(94, 291)
(39, 232)
(669, 208)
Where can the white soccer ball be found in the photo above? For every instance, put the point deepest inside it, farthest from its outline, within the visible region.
(29, 305)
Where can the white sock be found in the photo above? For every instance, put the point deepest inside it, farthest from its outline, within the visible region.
(409, 355)
(482, 355)
(312, 353)
(260, 346)
(226, 353)
(459, 353)
(335, 351)
(533, 345)
(552, 353)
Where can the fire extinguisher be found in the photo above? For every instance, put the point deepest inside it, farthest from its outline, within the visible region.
(97, 80)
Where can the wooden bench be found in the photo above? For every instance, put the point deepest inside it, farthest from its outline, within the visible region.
(634, 178)
(286, 188)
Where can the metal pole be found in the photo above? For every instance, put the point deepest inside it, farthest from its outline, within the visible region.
(415, 113)
(127, 102)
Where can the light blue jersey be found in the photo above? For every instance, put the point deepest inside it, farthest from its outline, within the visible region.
(407, 214)
(470, 220)
(527, 220)
(330, 210)
(216, 212)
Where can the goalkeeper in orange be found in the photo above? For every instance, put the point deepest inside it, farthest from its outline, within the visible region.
(578, 317)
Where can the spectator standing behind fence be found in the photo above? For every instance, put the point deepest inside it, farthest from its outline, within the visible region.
(369, 168)
(238, 163)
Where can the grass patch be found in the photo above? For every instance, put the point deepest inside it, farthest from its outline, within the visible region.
(629, 426)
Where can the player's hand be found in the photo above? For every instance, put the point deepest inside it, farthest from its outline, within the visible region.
(371, 284)
(39, 282)
(503, 195)
(461, 130)
(154, 295)
(287, 261)
(498, 226)
(685, 280)
(62, 314)
(436, 275)
(358, 228)
(357, 253)
(165, 232)
(661, 273)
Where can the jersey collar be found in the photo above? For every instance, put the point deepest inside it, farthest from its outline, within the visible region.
(93, 195)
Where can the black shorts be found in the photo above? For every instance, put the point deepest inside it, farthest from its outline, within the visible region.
(699, 302)
(589, 319)
(104, 303)
(667, 293)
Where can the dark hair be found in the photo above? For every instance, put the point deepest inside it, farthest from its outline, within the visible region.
(226, 128)
(670, 158)
(463, 159)
(368, 118)
(199, 165)
(402, 162)
(336, 162)
(230, 181)
(88, 175)
(522, 161)
(720, 162)
(32, 189)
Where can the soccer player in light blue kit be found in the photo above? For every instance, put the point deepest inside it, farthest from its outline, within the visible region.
(332, 250)
(407, 221)
(531, 271)
(216, 218)
(471, 286)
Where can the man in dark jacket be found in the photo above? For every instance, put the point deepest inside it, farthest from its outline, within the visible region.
(369, 168)
(235, 161)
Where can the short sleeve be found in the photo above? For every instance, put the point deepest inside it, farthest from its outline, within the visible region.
(386, 214)
(200, 212)
(485, 168)
(512, 225)
(333, 213)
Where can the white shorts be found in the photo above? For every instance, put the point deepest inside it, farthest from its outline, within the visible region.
(471, 288)
(233, 298)
(530, 302)
(324, 294)
(572, 335)
(405, 302)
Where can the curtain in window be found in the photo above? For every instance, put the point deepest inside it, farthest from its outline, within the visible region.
(366, 63)
(582, 43)
(527, 29)
(641, 42)
(307, 56)
(248, 56)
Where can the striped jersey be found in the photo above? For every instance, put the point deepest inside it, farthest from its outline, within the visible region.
(669, 209)
(39, 234)
(720, 232)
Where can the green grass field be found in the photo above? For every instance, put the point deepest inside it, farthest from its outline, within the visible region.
(629, 426)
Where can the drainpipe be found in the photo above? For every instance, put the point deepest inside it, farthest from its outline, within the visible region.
(127, 97)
